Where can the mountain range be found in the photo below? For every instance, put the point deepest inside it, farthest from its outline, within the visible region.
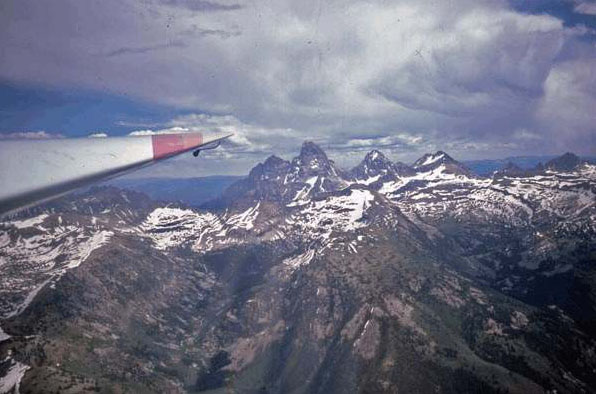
(193, 191)
(196, 191)
(307, 278)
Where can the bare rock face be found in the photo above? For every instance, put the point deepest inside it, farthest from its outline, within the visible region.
(305, 278)
(377, 168)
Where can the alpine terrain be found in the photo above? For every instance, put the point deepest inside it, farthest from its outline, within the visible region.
(306, 278)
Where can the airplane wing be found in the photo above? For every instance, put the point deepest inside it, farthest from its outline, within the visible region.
(33, 171)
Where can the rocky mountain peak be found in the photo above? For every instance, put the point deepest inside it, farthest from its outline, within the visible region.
(440, 159)
(274, 162)
(566, 162)
(273, 167)
(375, 157)
(278, 180)
(310, 150)
(311, 161)
(433, 160)
(375, 163)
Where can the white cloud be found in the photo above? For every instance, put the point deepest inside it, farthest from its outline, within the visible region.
(30, 135)
(171, 130)
(568, 105)
(388, 141)
(587, 7)
(99, 134)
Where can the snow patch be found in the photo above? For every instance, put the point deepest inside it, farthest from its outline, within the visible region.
(92, 243)
(302, 194)
(300, 260)
(368, 181)
(35, 260)
(171, 227)
(3, 336)
(337, 213)
(11, 382)
(431, 159)
(20, 224)
(246, 219)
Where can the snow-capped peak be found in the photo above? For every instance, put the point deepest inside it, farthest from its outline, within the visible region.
(375, 155)
(376, 165)
(440, 162)
(377, 158)
(432, 158)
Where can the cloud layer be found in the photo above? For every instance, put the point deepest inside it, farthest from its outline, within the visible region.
(29, 135)
(477, 78)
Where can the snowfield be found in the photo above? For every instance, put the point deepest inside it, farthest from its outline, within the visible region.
(12, 380)
(336, 213)
(30, 260)
(205, 231)
(432, 193)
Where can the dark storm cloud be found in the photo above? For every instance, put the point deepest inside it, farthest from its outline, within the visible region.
(480, 78)
(144, 49)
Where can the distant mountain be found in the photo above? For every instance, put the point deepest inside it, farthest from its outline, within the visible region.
(305, 278)
(566, 162)
(440, 161)
(191, 191)
(487, 167)
(378, 167)
(513, 170)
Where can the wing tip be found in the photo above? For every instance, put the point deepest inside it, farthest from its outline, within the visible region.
(166, 145)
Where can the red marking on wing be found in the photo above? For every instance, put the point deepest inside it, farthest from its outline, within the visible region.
(165, 145)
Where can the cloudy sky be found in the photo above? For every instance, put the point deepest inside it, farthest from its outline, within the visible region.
(478, 79)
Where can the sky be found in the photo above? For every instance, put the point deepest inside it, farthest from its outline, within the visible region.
(478, 79)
